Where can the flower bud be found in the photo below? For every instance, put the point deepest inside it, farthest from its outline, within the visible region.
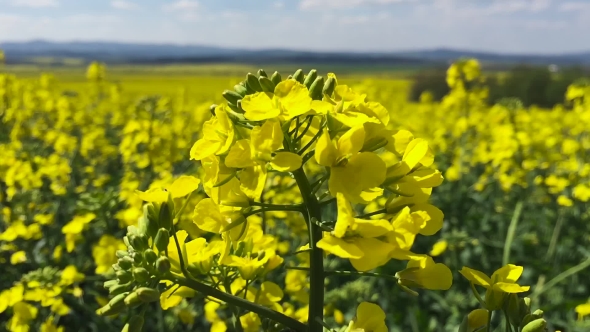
(150, 256)
(252, 83)
(329, 86)
(140, 242)
(124, 276)
(240, 249)
(310, 78)
(121, 253)
(147, 294)
(167, 214)
(110, 283)
(262, 73)
(125, 263)
(266, 84)
(537, 325)
(113, 308)
(135, 324)
(494, 299)
(119, 289)
(315, 91)
(137, 259)
(132, 300)
(162, 239)
(241, 90)
(149, 212)
(163, 265)
(118, 300)
(232, 97)
(140, 274)
(298, 76)
(276, 78)
(512, 307)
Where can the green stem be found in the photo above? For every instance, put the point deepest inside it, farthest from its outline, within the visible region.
(508, 326)
(476, 293)
(511, 232)
(179, 212)
(560, 277)
(316, 275)
(489, 327)
(234, 310)
(374, 213)
(278, 207)
(239, 302)
(294, 208)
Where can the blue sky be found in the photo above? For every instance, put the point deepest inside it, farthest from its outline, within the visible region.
(507, 26)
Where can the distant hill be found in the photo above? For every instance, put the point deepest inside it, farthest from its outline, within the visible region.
(124, 53)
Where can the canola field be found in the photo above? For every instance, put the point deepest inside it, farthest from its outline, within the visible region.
(301, 201)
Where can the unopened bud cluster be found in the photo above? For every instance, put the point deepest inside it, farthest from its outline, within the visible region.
(140, 268)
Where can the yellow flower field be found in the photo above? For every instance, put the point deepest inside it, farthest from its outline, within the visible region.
(289, 202)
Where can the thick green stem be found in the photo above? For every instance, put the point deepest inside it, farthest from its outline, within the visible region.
(239, 302)
(511, 232)
(316, 273)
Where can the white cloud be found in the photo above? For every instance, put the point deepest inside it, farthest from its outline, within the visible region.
(34, 3)
(124, 5)
(313, 4)
(278, 4)
(182, 5)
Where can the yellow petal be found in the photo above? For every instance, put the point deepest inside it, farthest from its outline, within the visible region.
(154, 195)
(476, 277)
(438, 248)
(325, 151)
(286, 162)
(268, 138)
(240, 155)
(183, 186)
(352, 141)
(208, 216)
(509, 273)
(415, 151)
(428, 218)
(252, 181)
(376, 253)
(204, 148)
(339, 247)
(363, 171)
(507, 287)
(321, 107)
(294, 98)
(477, 319)
(345, 217)
(369, 317)
(259, 106)
(372, 228)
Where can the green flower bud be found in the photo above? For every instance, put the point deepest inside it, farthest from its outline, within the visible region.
(494, 299)
(118, 300)
(315, 91)
(109, 310)
(537, 325)
(148, 294)
(150, 256)
(276, 78)
(137, 259)
(240, 249)
(235, 108)
(163, 265)
(162, 239)
(512, 307)
(262, 73)
(232, 97)
(140, 242)
(329, 86)
(298, 76)
(310, 78)
(140, 274)
(119, 289)
(241, 90)
(252, 83)
(266, 84)
(212, 109)
(125, 263)
(110, 283)
(132, 300)
(538, 313)
(121, 253)
(167, 214)
(149, 212)
(127, 243)
(135, 324)
(124, 276)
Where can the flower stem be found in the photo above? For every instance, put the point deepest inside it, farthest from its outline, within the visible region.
(316, 273)
(239, 302)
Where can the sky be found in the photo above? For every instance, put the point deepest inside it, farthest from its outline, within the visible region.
(502, 26)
